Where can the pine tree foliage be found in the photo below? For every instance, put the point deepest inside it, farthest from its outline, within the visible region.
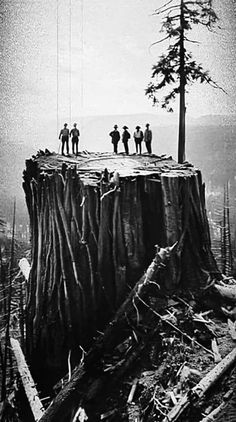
(179, 17)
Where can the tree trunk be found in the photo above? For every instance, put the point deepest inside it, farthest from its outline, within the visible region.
(89, 249)
(181, 145)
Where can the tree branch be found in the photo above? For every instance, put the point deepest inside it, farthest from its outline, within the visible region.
(165, 10)
(157, 42)
(164, 5)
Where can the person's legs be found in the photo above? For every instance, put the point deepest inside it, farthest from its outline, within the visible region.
(136, 145)
(148, 145)
(140, 147)
(62, 146)
(67, 146)
(76, 146)
(126, 148)
(115, 147)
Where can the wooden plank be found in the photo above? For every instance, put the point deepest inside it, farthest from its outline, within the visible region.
(27, 381)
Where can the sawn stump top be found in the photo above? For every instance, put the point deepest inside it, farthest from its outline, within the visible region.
(90, 165)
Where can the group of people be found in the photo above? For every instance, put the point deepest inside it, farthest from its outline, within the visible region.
(65, 134)
(138, 136)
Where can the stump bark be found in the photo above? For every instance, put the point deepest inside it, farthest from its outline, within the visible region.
(95, 221)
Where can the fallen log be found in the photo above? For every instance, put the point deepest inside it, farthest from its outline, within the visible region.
(89, 378)
(197, 392)
(211, 417)
(27, 381)
(227, 292)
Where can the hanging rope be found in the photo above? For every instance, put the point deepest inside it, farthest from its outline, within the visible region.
(70, 69)
(57, 88)
(81, 64)
(70, 59)
(82, 48)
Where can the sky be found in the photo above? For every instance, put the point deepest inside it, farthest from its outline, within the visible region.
(63, 59)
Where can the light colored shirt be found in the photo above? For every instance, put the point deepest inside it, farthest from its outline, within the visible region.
(138, 134)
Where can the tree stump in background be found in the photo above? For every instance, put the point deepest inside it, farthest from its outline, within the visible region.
(95, 221)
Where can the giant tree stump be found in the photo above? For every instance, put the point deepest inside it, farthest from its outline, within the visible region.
(95, 220)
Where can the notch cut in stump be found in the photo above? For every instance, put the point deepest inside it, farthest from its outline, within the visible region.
(95, 220)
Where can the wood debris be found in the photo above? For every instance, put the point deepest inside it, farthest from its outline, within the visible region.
(215, 349)
(202, 387)
(211, 417)
(27, 381)
(232, 329)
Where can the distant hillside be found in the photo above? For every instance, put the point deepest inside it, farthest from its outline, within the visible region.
(213, 150)
(95, 130)
(213, 120)
(12, 162)
(210, 145)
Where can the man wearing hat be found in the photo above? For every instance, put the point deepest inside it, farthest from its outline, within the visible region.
(148, 138)
(64, 136)
(75, 139)
(125, 139)
(115, 137)
(138, 137)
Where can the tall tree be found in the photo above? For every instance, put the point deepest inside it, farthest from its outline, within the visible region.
(177, 67)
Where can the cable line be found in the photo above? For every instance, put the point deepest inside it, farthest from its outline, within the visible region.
(82, 54)
(57, 87)
(70, 46)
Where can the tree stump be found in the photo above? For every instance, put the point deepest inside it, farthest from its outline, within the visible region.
(95, 220)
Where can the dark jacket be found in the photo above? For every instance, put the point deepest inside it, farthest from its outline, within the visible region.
(74, 132)
(148, 135)
(115, 135)
(64, 133)
(125, 136)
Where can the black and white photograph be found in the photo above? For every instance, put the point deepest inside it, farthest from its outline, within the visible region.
(117, 210)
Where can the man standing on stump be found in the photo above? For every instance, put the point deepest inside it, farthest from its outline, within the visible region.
(138, 137)
(125, 139)
(75, 139)
(64, 136)
(115, 137)
(148, 138)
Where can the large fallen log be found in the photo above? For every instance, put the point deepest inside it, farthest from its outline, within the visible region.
(89, 378)
(202, 387)
(27, 381)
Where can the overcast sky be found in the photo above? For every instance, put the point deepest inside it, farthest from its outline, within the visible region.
(103, 53)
